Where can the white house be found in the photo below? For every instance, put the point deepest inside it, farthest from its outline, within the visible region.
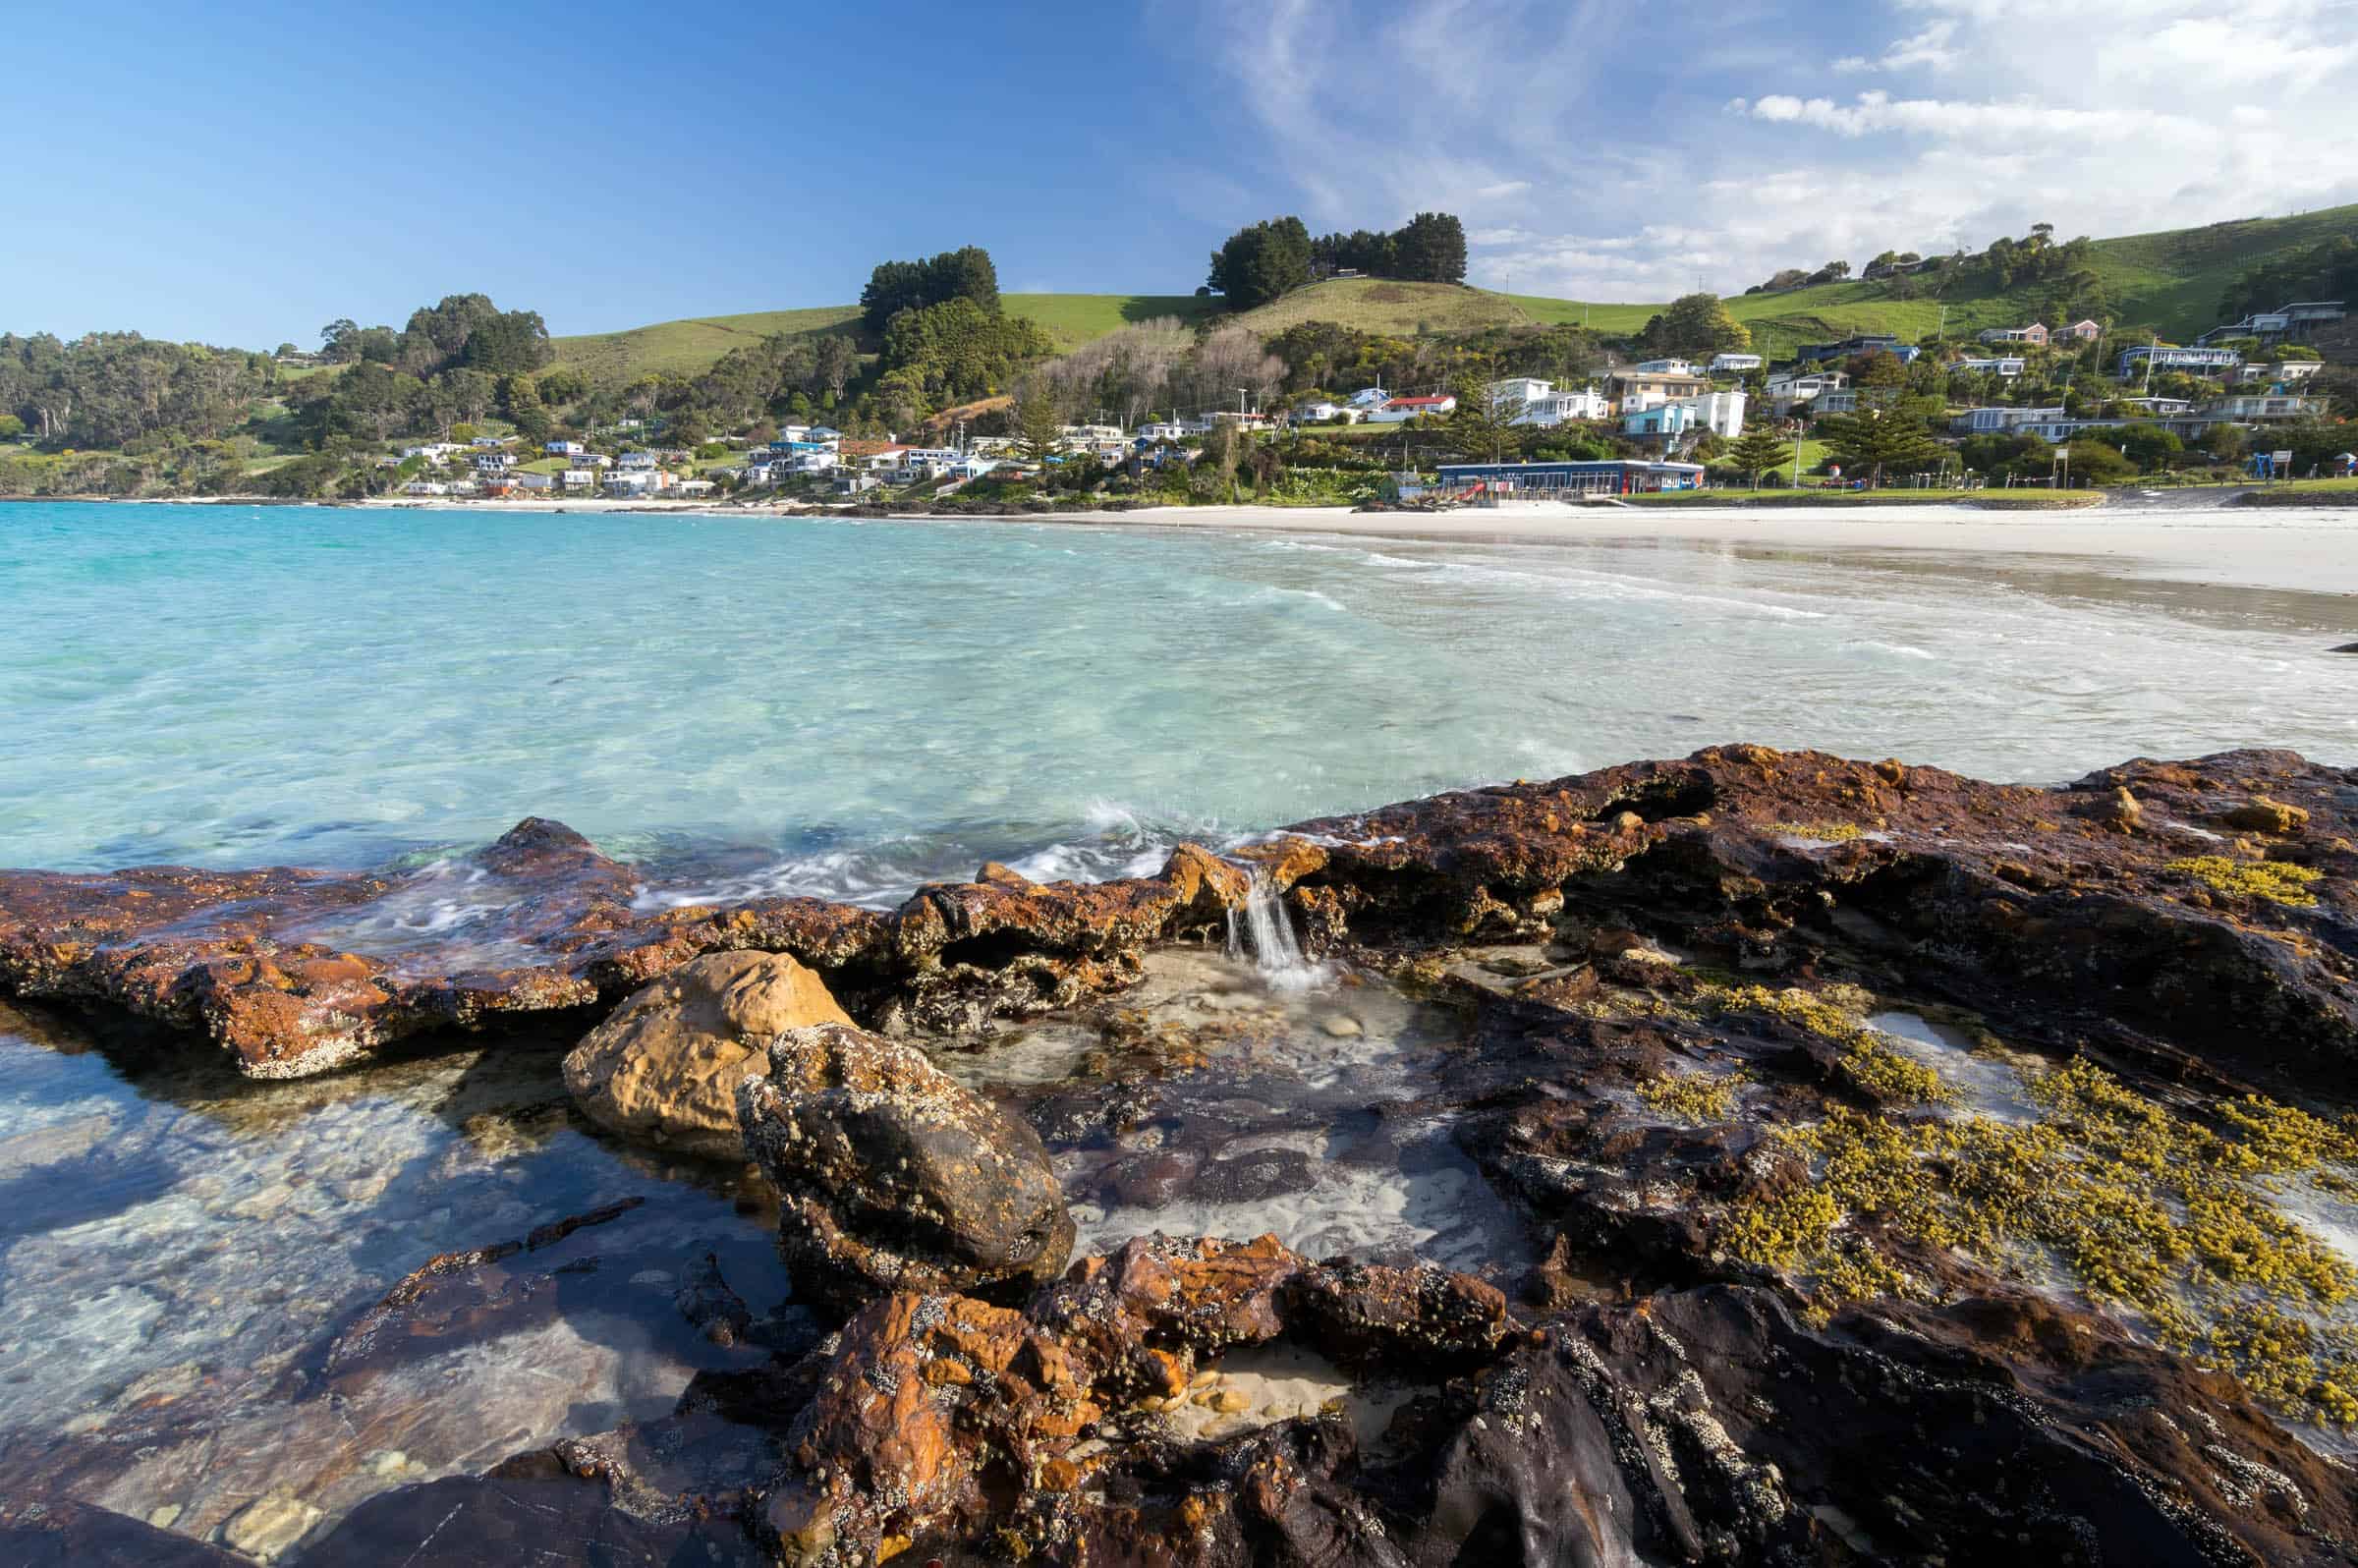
(485, 442)
(693, 488)
(1400, 410)
(1321, 412)
(493, 461)
(578, 479)
(426, 487)
(566, 449)
(1520, 389)
(537, 481)
(887, 461)
(432, 450)
(635, 462)
(2006, 365)
(1726, 363)
(1720, 412)
(637, 481)
(1166, 430)
(2266, 408)
(1664, 366)
(1583, 403)
(1373, 397)
(1999, 421)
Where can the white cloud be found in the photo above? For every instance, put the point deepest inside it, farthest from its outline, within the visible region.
(1631, 173)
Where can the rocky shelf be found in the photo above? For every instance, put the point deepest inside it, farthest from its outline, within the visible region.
(1916, 1170)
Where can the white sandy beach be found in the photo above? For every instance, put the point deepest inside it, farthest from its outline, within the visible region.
(2300, 549)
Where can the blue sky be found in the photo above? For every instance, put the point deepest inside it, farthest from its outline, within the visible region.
(245, 174)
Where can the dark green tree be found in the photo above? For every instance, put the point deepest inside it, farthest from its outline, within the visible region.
(1431, 248)
(1259, 262)
(1757, 451)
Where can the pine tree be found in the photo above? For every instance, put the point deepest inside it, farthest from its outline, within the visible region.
(1755, 452)
(1877, 441)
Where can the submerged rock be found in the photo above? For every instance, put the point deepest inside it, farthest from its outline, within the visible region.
(666, 1063)
(891, 1176)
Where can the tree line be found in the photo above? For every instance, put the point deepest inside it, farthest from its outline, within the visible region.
(1262, 260)
(116, 389)
(463, 331)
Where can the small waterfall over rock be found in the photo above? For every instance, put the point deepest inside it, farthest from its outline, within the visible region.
(1261, 934)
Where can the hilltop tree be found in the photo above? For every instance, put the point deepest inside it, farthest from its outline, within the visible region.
(1757, 450)
(966, 273)
(1696, 326)
(1431, 248)
(1261, 261)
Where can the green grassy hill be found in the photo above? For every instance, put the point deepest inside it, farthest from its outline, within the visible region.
(2170, 281)
(1072, 320)
(684, 348)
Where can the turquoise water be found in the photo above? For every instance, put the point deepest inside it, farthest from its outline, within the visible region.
(842, 707)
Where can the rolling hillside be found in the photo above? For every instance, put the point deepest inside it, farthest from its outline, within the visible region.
(684, 348)
(2169, 281)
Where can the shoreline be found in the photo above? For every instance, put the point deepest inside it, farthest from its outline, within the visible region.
(2310, 549)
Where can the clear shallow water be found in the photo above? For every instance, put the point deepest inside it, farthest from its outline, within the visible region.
(847, 709)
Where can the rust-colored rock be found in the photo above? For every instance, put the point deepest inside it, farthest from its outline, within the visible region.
(666, 1064)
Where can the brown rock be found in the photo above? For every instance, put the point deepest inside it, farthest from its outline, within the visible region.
(665, 1065)
(893, 1177)
(2259, 815)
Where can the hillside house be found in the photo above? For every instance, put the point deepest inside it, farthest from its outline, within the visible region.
(636, 462)
(493, 461)
(1519, 389)
(1557, 407)
(1734, 364)
(1373, 397)
(1720, 412)
(426, 487)
(2084, 331)
(2284, 372)
(577, 478)
(2034, 334)
(1854, 346)
(1322, 411)
(1635, 390)
(564, 449)
(1401, 410)
(2001, 421)
(1664, 366)
(2007, 365)
(2198, 359)
(2266, 407)
(1664, 422)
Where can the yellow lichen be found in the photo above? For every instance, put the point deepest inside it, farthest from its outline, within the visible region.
(2142, 1207)
(2272, 881)
(1824, 832)
(1698, 1097)
(1866, 1059)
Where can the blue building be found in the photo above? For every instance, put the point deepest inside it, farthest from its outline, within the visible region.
(1612, 477)
(1665, 422)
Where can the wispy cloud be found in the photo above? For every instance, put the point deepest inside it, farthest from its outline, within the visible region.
(1589, 163)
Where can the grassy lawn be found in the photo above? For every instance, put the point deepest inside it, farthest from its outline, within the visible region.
(1379, 305)
(1072, 320)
